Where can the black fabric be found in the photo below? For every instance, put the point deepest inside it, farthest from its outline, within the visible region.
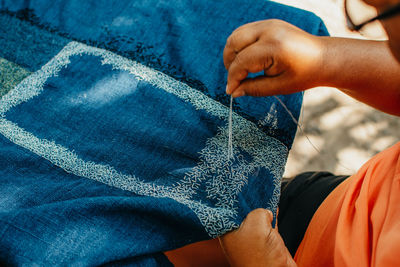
(300, 198)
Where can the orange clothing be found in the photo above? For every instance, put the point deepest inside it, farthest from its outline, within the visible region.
(358, 224)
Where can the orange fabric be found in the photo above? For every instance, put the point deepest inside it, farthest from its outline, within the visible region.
(358, 224)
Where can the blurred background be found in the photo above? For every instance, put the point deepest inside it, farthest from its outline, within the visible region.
(346, 132)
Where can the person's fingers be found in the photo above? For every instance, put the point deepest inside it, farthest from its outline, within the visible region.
(237, 41)
(263, 86)
(254, 58)
(257, 224)
(238, 93)
(259, 218)
(256, 243)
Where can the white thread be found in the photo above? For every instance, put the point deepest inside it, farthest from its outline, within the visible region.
(297, 123)
(230, 146)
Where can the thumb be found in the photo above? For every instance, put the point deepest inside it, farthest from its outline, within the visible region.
(256, 243)
(259, 217)
(257, 223)
(258, 220)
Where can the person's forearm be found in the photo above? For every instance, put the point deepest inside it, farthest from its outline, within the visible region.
(363, 69)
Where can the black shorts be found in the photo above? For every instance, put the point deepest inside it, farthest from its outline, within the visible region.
(300, 198)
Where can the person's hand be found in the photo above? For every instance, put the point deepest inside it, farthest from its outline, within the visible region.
(256, 243)
(289, 57)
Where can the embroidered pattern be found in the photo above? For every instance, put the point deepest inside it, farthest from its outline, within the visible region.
(221, 180)
(271, 119)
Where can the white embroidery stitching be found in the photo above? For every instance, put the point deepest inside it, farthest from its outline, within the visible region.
(222, 180)
(271, 119)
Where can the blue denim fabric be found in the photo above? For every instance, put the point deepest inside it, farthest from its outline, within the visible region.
(115, 148)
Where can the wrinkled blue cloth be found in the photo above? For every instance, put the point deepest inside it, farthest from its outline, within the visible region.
(114, 149)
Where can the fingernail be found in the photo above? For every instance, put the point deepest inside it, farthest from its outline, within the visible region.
(238, 93)
(227, 90)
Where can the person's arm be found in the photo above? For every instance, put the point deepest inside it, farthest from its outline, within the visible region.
(363, 69)
(256, 243)
(294, 60)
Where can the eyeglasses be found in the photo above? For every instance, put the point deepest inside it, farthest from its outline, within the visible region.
(390, 12)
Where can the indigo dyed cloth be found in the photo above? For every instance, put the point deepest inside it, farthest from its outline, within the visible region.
(113, 129)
